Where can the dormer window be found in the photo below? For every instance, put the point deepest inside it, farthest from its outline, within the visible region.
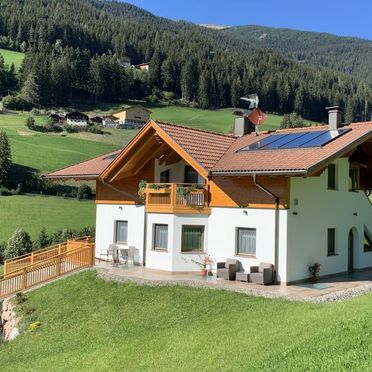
(332, 184)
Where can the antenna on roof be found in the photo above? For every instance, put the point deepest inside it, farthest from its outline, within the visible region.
(252, 99)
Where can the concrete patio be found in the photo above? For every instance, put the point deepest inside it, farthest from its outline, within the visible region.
(337, 288)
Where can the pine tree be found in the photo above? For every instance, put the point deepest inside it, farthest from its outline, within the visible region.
(5, 158)
(19, 243)
(30, 89)
(43, 239)
(236, 92)
(204, 89)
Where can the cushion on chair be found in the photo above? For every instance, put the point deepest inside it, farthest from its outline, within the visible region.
(264, 265)
(231, 261)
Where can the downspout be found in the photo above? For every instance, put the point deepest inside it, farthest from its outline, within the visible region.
(276, 241)
(145, 216)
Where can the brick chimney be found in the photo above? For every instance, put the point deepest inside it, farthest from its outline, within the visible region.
(334, 117)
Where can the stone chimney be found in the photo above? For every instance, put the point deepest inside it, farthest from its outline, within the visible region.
(243, 126)
(334, 117)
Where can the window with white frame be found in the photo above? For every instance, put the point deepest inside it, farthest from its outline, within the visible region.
(246, 241)
(121, 232)
(160, 237)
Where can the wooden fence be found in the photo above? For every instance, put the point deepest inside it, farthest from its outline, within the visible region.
(74, 257)
(28, 259)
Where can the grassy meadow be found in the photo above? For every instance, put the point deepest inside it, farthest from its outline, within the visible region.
(12, 57)
(34, 212)
(91, 325)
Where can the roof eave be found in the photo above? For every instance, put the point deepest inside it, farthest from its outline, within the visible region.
(293, 172)
(83, 177)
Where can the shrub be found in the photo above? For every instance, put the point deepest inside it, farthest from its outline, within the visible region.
(84, 192)
(20, 298)
(43, 239)
(4, 191)
(18, 244)
(30, 123)
(34, 326)
(2, 252)
(292, 120)
(16, 102)
(95, 129)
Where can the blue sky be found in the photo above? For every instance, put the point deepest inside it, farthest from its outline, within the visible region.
(342, 17)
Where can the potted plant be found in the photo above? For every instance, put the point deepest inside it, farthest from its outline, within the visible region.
(141, 189)
(314, 270)
(205, 265)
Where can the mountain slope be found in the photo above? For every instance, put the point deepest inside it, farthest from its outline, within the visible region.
(345, 54)
(74, 49)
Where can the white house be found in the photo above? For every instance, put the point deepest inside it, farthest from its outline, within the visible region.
(77, 118)
(290, 197)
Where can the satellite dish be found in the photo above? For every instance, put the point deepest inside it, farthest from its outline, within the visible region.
(252, 99)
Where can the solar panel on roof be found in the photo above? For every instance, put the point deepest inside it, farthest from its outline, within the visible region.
(317, 138)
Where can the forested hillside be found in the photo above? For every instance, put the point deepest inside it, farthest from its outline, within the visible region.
(74, 48)
(345, 54)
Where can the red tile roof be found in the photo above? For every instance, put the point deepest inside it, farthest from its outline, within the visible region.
(219, 153)
(89, 169)
(204, 146)
(300, 160)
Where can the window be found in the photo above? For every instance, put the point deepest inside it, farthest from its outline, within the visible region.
(354, 178)
(191, 175)
(121, 232)
(332, 176)
(164, 176)
(192, 239)
(367, 245)
(331, 246)
(246, 241)
(160, 237)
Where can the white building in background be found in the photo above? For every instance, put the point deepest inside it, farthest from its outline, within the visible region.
(291, 197)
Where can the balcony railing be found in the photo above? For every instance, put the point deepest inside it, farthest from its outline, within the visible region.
(176, 198)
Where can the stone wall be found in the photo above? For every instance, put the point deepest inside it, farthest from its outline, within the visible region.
(8, 321)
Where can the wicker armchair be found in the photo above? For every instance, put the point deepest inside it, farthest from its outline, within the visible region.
(262, 274)
(227, 270)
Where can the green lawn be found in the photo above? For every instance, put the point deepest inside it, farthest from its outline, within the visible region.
(48, 152)
(33, 212)
(91, 325)
(12, 57)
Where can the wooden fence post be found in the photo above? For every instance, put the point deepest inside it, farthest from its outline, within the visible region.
(58, 266)
(24, 279)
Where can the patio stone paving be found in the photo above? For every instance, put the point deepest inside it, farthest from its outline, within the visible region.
(337, 288)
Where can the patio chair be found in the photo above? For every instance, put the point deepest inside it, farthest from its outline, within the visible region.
(227, 270)
(111, 251)
(124, 255)
(133, 255)
(262, 274)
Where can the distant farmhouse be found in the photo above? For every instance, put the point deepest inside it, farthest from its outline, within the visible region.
(143, 66)
(77, 118)
(130, 118)
(125, 62)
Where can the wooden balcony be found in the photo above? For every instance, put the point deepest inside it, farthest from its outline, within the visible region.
(177, 198)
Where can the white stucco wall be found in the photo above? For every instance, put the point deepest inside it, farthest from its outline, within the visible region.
(219, 235)
(317, 210)
(223, 223)
(106, 215)
(173, 259)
